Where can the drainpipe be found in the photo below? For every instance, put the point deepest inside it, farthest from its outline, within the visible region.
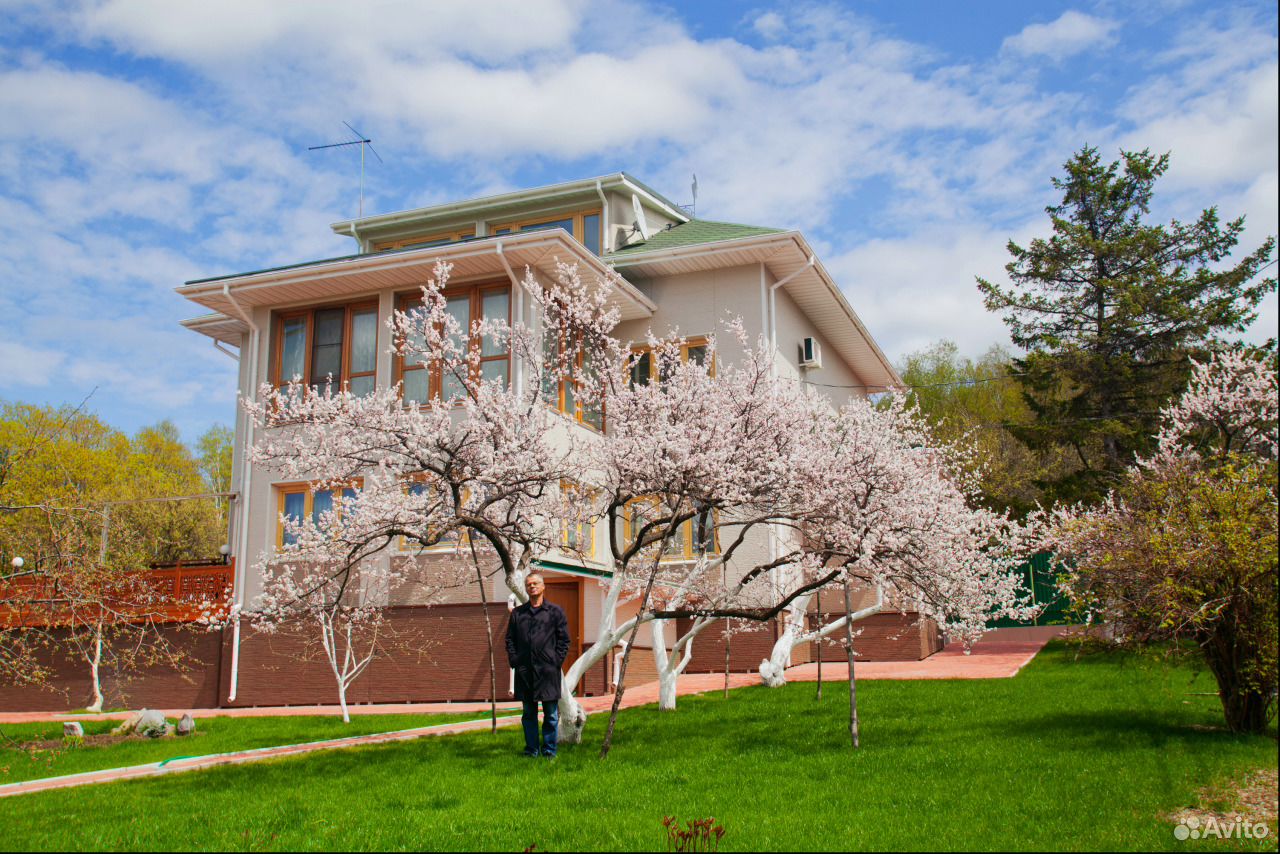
(773, 306)
(246, 481)
(217, 345)
(518, 380)
(606, 240)
(773, 372)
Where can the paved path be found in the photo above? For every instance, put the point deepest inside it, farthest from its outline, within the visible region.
(987, 661)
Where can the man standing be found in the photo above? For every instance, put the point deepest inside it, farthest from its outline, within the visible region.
(537, 643)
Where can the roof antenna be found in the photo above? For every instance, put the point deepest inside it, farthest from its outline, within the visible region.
(360, 140)
(693, 208)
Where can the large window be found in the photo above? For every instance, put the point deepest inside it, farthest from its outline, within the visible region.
(296, 501)
(423, 380)
(563, 393)
(334, 343)
(583, 225)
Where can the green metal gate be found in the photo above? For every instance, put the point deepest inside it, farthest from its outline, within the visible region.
(1042, 582)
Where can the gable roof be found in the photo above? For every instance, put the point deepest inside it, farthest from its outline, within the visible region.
(692, 233)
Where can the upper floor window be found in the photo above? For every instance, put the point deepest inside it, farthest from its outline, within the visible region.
(646, 367)
(583, 225)
(563, 394)
(434, 499)
(423, 380)
(338, 343)
(297, 502)
(423, 240)
(692, 539)
(578, 534)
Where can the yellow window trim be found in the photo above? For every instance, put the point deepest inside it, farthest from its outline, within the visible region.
(401, 242)
(578, 217)
(445, 545)
(684, 535)
(308, 501)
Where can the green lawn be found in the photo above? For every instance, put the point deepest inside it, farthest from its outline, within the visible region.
(1089, 754)
(213, 735)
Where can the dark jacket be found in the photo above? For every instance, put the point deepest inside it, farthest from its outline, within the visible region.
(537, 643)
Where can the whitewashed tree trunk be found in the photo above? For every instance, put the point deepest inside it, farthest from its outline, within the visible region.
(671, 665)
(573, 719)
(95, 665)
(351, 665)
(773, 668)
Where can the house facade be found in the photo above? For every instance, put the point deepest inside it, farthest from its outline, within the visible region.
(329, 317)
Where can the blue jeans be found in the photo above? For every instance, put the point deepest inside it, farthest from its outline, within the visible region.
(550, 727)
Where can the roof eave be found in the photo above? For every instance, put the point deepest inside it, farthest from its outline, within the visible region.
(458, 209)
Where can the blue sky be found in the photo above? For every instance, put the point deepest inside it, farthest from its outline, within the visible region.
(147, 142)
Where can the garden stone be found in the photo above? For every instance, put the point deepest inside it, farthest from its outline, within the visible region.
(72, 729)
(186, 725)
(129, 724)
(152, 724)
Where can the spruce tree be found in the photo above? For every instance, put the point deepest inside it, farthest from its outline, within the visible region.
(1110, 308)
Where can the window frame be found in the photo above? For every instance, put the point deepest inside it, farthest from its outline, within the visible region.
(440, 238)
(585, 530)
(461, 538)
(475, 292)
(350, 309)
(686, 345)
(578, 216)
(684, 535)
(308, 501)
(579, 413)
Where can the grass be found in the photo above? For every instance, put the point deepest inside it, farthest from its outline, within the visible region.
(213, 735)
(1089, 754)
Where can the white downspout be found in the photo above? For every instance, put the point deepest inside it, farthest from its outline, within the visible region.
(217, 345)
(606, 239)
(773, 372)
(246, 481)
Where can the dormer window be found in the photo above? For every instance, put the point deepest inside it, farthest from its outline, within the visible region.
(583, 225)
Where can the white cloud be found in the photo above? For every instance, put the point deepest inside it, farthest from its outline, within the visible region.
(27, 366)
(1072, 33)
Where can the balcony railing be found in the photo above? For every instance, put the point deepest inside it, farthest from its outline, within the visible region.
(178, 593)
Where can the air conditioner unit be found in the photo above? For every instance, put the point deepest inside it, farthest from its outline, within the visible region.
(810, 353)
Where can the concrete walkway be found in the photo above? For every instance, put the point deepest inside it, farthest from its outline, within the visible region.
(990, 660)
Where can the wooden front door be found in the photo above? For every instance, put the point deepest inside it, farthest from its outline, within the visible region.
(567, 593)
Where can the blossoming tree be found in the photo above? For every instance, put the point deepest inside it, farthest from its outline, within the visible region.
(699, 459)
(1185, 547)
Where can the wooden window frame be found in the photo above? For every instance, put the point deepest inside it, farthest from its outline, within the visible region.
(585, 530)
(461, 538)
(444, 237)
(309, 313)
(579, 224)
(308, 502)
(475, 292)
(684, 534)
(579, 413)
(685, 346)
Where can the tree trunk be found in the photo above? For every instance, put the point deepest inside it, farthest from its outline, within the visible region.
(622, 671)
(773, 669)
(853, 683)
(668, 671)
(488, 636)
(1246, 709)
(817, 644)
(95, 664)
(728, 639)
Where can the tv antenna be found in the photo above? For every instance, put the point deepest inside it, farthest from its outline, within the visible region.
(362, 141)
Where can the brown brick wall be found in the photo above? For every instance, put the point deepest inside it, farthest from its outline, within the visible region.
(885, 637)
(193, 685)
(749, 645)
(430, 654)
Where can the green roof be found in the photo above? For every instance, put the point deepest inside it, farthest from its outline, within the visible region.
(692, 233)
